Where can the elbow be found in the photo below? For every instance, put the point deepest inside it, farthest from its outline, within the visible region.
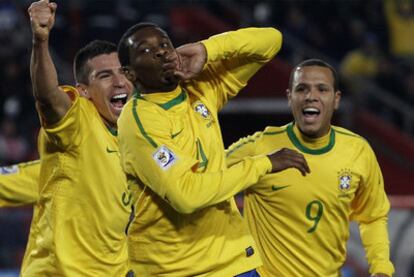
(183, 206)
(277, 38)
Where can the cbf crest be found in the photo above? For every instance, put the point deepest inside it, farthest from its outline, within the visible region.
(344, 178)
(201, 109)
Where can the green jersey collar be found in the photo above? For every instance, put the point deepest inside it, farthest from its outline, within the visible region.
(295, 140)
(169, 104)
(175, 101)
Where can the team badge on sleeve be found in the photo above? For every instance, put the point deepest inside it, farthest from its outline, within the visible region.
(6, 170)
(164, 157)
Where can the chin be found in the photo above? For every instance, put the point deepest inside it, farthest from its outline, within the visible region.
(308, 130)
(170, 81)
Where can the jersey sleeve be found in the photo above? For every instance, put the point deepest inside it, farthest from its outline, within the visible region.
(19, 184)
(149, 154)
(370, 210)
(234, 57)
(66, 132)
(244, 147)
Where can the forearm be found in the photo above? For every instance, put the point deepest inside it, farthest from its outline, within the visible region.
(374, 236)
(51, 101)
(260, 44)
(19, 184)
(193, 191)
(43, 73)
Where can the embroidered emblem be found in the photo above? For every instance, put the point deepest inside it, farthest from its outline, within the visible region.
(202, 110)
(164, 157)
(344, 180)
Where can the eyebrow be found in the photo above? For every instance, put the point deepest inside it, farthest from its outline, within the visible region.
(103, 71)
(137, 44)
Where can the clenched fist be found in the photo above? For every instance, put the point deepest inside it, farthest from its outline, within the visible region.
(42, 18)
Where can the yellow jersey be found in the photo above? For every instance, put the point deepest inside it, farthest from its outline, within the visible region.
(19, 184)
(78, 228)
(186, 220)
(301, 224)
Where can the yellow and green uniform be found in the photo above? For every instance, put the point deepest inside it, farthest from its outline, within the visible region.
(78, 228)
(301, 224)
(186, 221)
(19, 184)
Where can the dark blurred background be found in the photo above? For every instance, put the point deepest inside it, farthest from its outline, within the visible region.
(370, 42)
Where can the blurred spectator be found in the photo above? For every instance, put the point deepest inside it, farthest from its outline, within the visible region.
(400, 19)
(363, 61)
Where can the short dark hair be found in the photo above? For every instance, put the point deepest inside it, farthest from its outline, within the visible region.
(123, 45)
(315, 62)
(95, 48)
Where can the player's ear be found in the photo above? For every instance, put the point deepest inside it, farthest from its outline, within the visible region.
(129, 73)
(337, 100)
(83, 90)
(289, 96)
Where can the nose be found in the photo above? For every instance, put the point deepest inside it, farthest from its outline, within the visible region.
(161, 53)
(119, 80)
(311, 95)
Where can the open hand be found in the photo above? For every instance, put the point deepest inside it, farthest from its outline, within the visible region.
(287, 158)
(191, 60)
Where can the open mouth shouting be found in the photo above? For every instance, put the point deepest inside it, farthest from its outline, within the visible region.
(118, 101)
(310, 114)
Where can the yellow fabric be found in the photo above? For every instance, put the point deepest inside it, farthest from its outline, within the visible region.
(19, 184)
(78, 228)
(401, 30)
(301, 224)
(186, 221)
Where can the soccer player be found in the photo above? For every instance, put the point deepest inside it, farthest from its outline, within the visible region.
(78, 228)
(186, 220)
(19, 184)
(301, 224)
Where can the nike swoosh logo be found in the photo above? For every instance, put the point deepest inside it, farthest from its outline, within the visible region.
(275, 188)
(176, 134)
(110, 150)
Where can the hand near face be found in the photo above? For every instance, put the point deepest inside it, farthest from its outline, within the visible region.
(42, 19)
(191, 60)
(288, 158)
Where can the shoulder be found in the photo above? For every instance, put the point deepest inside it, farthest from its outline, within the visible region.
(345, 133)
(256, 138)
(71, 91)
(274, 130)
(143, 115)
(348, 137)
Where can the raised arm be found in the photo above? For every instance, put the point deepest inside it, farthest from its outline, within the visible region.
(52, 103)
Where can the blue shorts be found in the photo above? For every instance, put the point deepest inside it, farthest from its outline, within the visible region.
(251, 273)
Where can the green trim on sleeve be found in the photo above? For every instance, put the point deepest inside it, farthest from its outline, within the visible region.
(307, 150)
(140, 127)
(173, 102)
(238, 146)
(204, 160)
(274, 133)
(346, 134)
